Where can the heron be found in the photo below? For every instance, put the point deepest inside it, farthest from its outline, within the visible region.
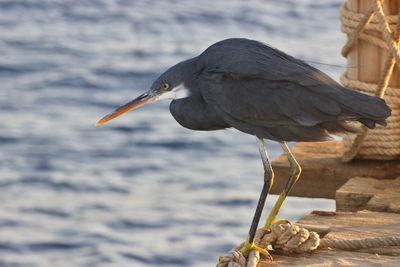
(259, 90)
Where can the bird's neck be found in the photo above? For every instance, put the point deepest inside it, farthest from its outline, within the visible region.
(188, 71)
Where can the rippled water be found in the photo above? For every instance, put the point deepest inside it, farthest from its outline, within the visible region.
(140, 191)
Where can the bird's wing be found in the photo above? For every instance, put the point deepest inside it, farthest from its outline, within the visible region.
(269, 102)
(255, 83)
(273, 89)
(252, 59)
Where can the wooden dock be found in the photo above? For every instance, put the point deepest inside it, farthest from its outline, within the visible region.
(367, 207)
(348, 226)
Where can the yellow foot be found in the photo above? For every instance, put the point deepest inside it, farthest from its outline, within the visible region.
(247, 247)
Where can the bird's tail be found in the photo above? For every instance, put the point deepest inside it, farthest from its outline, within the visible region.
(372, 110)
(368, 110)
(357, 107)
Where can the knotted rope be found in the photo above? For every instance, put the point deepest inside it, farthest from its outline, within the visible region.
(283, 237)
(288, 238)
(382, 143)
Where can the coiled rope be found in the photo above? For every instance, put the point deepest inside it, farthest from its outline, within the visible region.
(382, 143)
(289, 238)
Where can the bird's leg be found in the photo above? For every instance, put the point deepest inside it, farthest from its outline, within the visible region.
(294, 176)
(268, 181)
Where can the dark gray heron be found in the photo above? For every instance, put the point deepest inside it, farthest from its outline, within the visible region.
(264, 92)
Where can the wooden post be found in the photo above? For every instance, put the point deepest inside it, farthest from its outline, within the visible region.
(366, 62)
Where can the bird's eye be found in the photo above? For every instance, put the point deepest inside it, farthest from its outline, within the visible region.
(165, 86)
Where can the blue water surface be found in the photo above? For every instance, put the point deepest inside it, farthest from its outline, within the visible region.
(142, 190)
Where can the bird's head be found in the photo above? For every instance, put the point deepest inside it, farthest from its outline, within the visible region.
(170, 85)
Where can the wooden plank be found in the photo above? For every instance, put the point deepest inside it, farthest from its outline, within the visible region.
(347, 226)
(333, 258)
(324, 172)
(353, 225)
(368, 193)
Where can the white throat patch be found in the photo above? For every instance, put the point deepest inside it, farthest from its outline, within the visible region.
(177, 92)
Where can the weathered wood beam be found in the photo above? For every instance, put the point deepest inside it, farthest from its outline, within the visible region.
(324, 172)
(370, 194)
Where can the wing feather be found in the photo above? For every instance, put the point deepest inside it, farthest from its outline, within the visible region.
(267, 103)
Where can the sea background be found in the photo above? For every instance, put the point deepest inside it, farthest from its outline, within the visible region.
(141, 190)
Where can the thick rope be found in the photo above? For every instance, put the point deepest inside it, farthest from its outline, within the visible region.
(359, 27)
(283, 237)
(380, 144)
(358, 244)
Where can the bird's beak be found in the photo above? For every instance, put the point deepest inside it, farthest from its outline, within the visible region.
(134, 104)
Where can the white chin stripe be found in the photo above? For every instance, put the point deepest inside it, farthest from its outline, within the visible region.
(177, 92)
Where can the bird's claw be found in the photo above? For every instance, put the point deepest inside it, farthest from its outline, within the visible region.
(251, 246)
